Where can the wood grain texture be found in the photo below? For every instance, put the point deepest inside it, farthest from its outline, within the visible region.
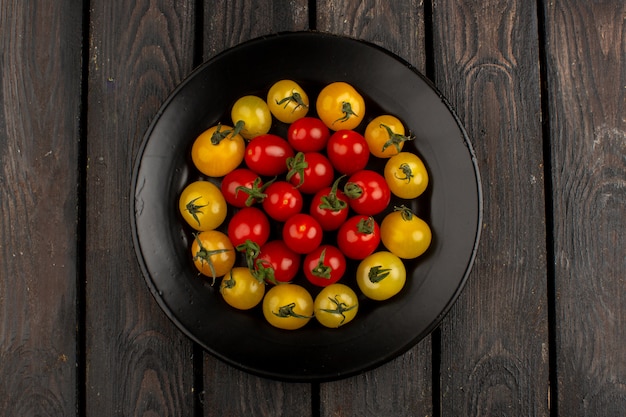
(403, 387)
(39, 133)
(586, 70)
(494, 358)
(138, 363)
(228, 23)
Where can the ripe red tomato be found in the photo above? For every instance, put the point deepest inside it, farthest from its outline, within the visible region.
(241, 186)
(358, 237)
(276, 262)
(249, 223)
(330, 207)
(302, 233)
(324, 266)
(282, 200)
(308, 134)
(310, 172)
(347, 151)
(267, 155)
(368, 192)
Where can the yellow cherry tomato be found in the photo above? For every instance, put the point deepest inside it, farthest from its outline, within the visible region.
(340, 106)
(404, 234)
(251, 116)
(406, 175)
(336, 305)
(202, 205)
(385, 136)
(241, 290)
(287, 101)
(213, 253)
(216, 152)
(381, 275)
(288, 306)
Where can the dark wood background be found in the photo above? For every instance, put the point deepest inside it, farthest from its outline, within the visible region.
(540, 328)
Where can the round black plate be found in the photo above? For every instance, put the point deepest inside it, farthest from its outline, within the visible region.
(381, 331)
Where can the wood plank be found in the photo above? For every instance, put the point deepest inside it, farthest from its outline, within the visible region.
(403, 387)
(494, 358)
(226, 24)
(586, 72)
(39, 135)
(138, 363)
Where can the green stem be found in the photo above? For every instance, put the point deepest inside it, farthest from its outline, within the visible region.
(296, 165)
(340, 308)
(377, 273)
(194, 209)
(347, 111)
(287, 311)
(395, 139)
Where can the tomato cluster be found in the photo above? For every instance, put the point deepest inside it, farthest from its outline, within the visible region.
(304, 203)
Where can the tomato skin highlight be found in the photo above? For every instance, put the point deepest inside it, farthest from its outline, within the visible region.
(302, 233)
(267, 155)
(348, 151)
(308, 134)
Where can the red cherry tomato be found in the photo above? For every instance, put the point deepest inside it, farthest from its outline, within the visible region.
(347, 151)
(324, 266)
(310, 172)
(368, 192)
(277, 263)
(241, 186)
(249, 223)
(282, 200)
(308, 134)
(302, 233)
(358, 237)
(267, 155)
(330, 207)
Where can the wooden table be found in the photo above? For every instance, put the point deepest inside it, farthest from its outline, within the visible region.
(540, 328)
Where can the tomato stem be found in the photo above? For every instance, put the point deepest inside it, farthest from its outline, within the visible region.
(395, 139)
(255, 192)
(377, 273)
(321, 270)
(340, 308)
(346, 109)
(352, 190)
(230, 281)
(296, 165)
(366, 226)
(205, 255)
(287, 311)
(405, 212)
(218, 135)
(194, 209)
(294, 97)
(406, 170)
(330, 201)
(238, 127)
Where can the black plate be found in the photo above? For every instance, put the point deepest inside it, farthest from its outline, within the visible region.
(381, 331)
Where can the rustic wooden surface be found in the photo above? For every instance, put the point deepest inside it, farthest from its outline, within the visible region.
(539, 329)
